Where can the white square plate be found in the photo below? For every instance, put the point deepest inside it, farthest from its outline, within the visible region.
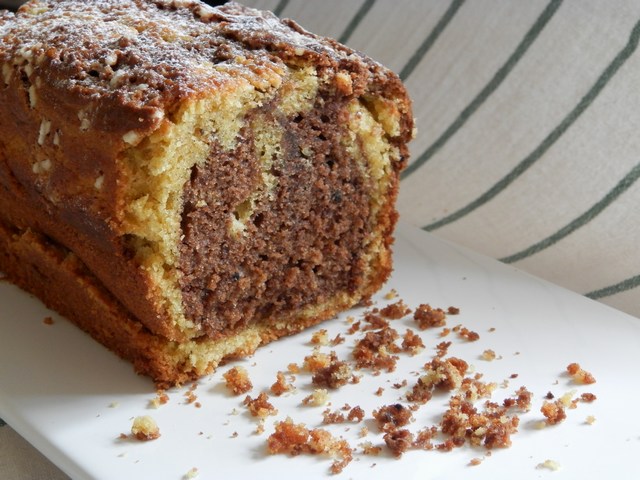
(72, 399)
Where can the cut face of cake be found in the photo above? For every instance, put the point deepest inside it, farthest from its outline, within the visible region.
(186, 183)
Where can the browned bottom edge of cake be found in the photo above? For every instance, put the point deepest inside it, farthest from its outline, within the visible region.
(63, 283)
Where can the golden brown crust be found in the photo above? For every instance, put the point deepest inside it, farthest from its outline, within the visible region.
(64, 284)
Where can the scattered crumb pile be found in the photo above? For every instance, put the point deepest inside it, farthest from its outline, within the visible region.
(471, 416)
(295, 439)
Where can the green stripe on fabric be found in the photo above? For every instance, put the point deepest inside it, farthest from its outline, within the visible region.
(581, 221)
(488, 89)
(282, 4)
(550, 139)
(428, 42)
(355, 21)
(623, 286)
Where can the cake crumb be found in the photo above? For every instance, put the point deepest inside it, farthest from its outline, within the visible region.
(523, 399)
(260, 406)
(145, 428)
(588, 397)
(335, 375)
(295, 439)
(190, 396)
(329, 417)
(464, 332)
(549, 464)
(542, 424)
(160, 399)
(442, 348)
(389, 417)
(375, 321)
(473, 389)
(356, 414)
(375, 350)
(395, 311)
(192, 473)
(412, 343)
(321, 337)
(567, 399)
(398, 441)
(488, 355)
(318, 398)
(353, 328)
(369, 448)
(281, 385)
(553, 411)
(580, 375)
(293, 368)
(391, 294)
(317, 361)
(424, 438)
(447, 373)
(474, 462)
(237, 380)
(427, 317)
(590, 420)
(48, 320)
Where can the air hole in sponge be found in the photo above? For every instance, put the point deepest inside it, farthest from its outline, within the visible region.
(244, 211)
(258, 220)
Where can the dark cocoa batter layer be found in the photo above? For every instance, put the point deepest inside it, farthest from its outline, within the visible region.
(299, 248)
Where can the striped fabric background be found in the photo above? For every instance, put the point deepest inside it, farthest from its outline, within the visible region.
(528, 149)
(528, 116)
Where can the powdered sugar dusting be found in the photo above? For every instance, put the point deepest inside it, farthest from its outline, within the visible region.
(149, 53)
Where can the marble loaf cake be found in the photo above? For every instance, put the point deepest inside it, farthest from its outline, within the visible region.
(186, 183)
